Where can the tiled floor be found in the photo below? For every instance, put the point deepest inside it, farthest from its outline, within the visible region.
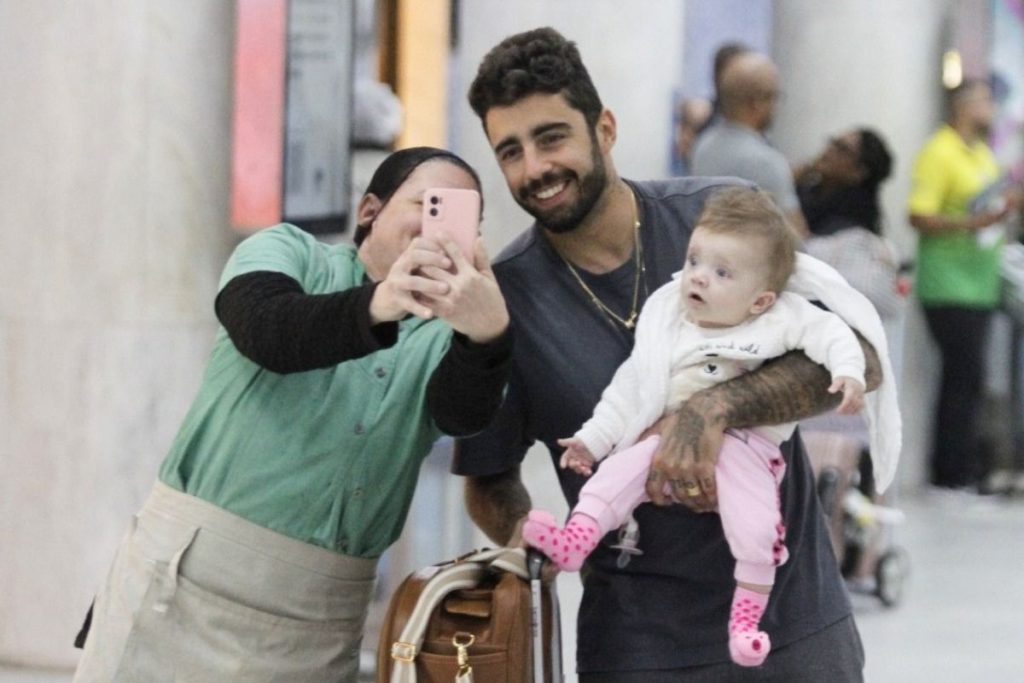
(9, 675)
(960, 620)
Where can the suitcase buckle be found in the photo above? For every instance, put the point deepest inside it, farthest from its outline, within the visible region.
(462, 641)
(403, 652)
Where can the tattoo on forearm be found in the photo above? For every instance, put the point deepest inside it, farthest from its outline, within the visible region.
(496, 503)
(872, 366)
(788, 389)
(689, 427)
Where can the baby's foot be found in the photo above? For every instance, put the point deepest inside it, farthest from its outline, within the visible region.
(566, 547)
(748, 646)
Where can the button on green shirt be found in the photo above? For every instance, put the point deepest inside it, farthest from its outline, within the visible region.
(331, 456)
(954, 268)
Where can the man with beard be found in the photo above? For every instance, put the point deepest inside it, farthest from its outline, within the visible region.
(574, 284)
(957, 204)
(735, 145)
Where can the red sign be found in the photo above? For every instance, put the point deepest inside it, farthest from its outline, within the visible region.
(257, 158)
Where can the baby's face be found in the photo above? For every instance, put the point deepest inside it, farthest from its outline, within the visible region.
(724, 279)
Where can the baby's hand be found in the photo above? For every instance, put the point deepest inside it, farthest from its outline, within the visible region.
(577, 457)
(853, 395)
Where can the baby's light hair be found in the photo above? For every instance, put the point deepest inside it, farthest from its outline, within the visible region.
(751, 213)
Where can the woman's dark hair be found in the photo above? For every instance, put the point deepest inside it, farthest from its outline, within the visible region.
(394, 171)
(874, 156)
(853, 205)
(537, 61)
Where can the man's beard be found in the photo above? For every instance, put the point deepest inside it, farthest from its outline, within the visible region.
(564, 219)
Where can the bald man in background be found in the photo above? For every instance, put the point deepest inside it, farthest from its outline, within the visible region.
(736, 145)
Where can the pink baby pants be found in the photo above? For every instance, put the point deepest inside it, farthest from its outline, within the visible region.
(749, 471)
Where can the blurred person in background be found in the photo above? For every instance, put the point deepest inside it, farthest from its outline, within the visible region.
(958, 202)
(724, 55)
(691, 115)
(839, 196)
(735, 145)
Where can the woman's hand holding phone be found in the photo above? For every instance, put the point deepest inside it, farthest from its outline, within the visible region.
(473, 304)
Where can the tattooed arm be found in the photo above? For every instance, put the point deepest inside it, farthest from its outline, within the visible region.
(789, 388)
(498, 504)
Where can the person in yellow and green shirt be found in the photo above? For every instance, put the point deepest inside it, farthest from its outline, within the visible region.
(958, 203)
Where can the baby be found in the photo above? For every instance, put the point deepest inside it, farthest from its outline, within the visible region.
(724, 315)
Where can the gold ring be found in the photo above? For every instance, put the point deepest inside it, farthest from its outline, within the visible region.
(692, 491)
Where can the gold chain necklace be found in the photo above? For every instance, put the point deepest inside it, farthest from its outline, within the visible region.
(638, 249)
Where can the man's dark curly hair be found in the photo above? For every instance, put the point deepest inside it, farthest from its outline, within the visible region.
(537, 61)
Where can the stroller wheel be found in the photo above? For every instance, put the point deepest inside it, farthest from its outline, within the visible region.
(890, 575)
(828, 487)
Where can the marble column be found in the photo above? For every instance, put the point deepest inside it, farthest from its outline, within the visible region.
(873, 63)
(113, 217)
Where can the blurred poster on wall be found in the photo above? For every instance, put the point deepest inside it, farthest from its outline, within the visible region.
(257, 159)
(1008, 84)
(319, 114)
(292, 114)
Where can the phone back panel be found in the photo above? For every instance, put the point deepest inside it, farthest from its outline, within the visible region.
(455, 213)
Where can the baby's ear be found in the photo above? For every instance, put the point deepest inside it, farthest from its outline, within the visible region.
(763, 302)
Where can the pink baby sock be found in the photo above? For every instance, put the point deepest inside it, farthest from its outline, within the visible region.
(747, 645)
(566, 547)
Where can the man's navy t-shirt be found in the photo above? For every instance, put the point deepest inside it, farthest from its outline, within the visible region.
(669, 607)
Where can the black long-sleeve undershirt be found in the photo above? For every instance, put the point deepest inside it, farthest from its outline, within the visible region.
(275, 324)
(467, 387)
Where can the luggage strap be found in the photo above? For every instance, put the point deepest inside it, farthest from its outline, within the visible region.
(463, 572)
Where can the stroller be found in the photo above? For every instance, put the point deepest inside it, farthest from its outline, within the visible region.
(861, 523)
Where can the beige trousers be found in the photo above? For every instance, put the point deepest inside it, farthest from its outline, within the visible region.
(199, 594)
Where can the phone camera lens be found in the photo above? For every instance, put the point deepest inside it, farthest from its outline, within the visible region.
(435, 199)
(433, 211)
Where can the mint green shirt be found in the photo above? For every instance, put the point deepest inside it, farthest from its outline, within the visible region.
(329, 457)
(954, 269)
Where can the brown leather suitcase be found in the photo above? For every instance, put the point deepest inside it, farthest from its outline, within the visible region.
(479, 618)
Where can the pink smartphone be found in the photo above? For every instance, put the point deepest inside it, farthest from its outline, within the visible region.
(455, 213)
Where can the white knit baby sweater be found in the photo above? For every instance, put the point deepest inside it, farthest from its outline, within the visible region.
(642, 388)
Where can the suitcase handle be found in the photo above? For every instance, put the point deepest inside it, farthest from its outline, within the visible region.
(534, 563)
